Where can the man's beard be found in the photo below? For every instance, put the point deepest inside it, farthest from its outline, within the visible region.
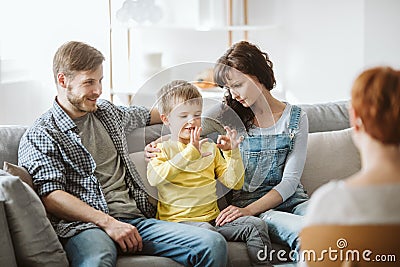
(79, 102)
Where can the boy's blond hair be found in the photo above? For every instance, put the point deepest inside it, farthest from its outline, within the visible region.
(177, 92)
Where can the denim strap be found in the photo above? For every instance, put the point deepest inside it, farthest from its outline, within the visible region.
(293, 124)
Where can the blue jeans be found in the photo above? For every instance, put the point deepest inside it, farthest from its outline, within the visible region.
(249, 229)
(188, 245)
(284, 226)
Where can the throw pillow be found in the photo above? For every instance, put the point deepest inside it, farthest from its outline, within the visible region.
(34, 239)
(18, 171)
(330, 155)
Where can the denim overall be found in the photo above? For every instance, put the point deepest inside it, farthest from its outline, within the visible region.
(264, 158)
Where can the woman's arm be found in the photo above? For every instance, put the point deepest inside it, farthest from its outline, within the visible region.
(295, 162)
(268, 201)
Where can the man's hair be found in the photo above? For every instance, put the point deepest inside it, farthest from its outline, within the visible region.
(75, 56)
(375, 97)
(176, 92)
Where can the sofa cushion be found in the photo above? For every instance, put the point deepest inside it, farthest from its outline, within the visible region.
(18, 171)
(330, 155)
(138, 138)
(35, 242)
(144, 260)
(9, 142)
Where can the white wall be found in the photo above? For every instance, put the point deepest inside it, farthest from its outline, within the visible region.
(30, 33)
(324, 48)
(382, 33)
(318, 46)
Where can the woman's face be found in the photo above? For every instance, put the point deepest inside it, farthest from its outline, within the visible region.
(243, 88)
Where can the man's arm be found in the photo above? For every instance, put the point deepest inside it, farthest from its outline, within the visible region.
(126, 235)
(155, 116)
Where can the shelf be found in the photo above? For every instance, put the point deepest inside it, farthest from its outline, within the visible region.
(228, 25)
(237, 28)
(200, 28)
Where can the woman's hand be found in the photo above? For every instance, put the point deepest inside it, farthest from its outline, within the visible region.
(230, 140)
(230, 214)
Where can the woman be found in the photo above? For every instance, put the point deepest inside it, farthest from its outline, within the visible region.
(371, 196)
(274, 147)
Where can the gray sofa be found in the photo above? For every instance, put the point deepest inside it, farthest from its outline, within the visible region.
(330, 155)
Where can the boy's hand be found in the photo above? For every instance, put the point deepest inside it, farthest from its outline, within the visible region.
(230, 140)
(197, 142)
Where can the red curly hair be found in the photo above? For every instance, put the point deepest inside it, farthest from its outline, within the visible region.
(376, 100)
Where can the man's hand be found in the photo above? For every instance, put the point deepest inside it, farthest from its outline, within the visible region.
(230, 140)
(125, 234)
(197, 142)
(68, 207)
(151, 151)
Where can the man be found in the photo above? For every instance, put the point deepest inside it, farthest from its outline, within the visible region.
(78, 158)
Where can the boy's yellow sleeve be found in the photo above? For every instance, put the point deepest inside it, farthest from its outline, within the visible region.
(230, 170)
(167, 166)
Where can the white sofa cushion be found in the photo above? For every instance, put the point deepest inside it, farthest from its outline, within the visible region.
(330, 155)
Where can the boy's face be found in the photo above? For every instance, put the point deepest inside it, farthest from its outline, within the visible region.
(182, 120)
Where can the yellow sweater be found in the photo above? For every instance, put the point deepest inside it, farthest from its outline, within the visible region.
(186, 182)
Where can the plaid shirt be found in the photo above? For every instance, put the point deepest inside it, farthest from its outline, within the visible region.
(52, 152)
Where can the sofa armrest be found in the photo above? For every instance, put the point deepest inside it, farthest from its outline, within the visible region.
(7, 257)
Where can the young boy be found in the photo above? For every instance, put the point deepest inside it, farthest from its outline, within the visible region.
(186, 170)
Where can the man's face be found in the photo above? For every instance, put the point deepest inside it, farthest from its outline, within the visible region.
(83, 90)
(182, 120)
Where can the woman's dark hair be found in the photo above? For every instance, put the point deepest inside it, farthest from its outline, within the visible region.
(250, 60)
